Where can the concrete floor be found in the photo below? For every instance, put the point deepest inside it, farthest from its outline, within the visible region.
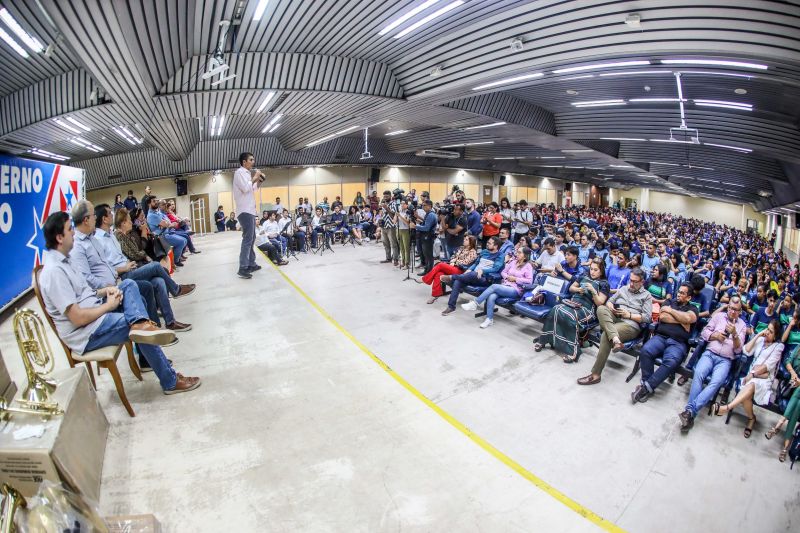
(296, 429)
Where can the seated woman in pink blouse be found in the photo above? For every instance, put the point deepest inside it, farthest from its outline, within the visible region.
(757, 385)
(516, 275)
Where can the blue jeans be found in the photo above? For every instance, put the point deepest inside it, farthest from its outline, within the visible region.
(116, 327)
(247, 256)
(718, 368)
(185, 235)
(146, 292)
(177, 242)
(491, 295)
(300, 240)
(671, 352)
(459, 282)
(151, 271)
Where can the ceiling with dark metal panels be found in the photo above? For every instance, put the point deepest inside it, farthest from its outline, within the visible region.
(587, 90)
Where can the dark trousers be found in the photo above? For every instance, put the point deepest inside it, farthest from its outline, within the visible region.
(272, 252)
(427, 250)
(671, 352)
(462, 280)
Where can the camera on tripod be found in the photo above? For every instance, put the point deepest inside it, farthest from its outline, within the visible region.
(398, 194)
(445, 209)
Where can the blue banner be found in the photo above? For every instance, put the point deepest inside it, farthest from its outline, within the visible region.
(29, 192)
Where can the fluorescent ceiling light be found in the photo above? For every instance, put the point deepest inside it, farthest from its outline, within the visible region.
(260, 8)
(715, 62)
(636, 73)
(275, 127)
(620, 139)
(123, 132)
(403, 18)
(647, 100)
(552, 157)
(667, 164)
(124, 136)
(269, 128)
(24, 36)
(331, 136)
(509, 158)
(549, 166)
(223, 80)
(467, 144)
(83, 127)
(565, 166)
(601, 65)
(219, 127)
(672, 141)
(435, 14)
(577, 77)
(12, 43)
(66, 126)
(621, 166)
(723, 103)
(576, 151)
(86, 144)
(598, 103)
(506, 81)
(730, 74)
(265, 101)
(49, 155)
(396, 132)
(492, 125)
(737, 148)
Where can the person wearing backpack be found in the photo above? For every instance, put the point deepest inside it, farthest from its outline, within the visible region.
(792, 412)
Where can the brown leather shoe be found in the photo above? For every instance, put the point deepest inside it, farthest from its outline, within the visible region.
(146, 332)
(184, 384)
(185, 289)
(178, 326)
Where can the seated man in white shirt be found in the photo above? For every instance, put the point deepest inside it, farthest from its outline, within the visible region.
(271, 229)
(550, 256)
(87, 319)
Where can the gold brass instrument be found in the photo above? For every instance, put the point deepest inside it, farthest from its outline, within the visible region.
(37, 358)
(46, 411)
(12, 501)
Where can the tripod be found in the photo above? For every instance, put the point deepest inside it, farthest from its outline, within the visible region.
(413, 257)
(326, 241)
(291, 243)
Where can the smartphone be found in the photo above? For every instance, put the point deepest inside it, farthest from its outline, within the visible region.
(616, 306)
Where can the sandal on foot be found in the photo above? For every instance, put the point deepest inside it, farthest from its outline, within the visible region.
(749, 429)
(589, 380)
(682, 381)
(568, 359)
(771, 433)
(715, 409)
(537, 346)
(782, 455)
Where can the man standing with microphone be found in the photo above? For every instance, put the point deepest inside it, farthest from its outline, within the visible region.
(426, 231)
(244, 186)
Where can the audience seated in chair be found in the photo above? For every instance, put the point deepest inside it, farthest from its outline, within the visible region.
(766, 350)
(622, 318)
(516, 276)
(488, 263)
(670, 342)
(566, 322)
(460, 260)
(725, 334)
(791, 415)
(87, 319)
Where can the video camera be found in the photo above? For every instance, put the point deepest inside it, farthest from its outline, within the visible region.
(398, 194)
(445, 209)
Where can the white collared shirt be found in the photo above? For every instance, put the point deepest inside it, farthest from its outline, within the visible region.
(243, 189)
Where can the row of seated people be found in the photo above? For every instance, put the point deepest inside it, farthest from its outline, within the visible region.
(98, 296)
(625, 313)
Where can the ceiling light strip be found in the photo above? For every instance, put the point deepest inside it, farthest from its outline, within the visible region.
(600, 66)
(435, 14)
(81, 126)
(397, 132)
(737, 148)
(714, 62)
(507, 81)
(621, 139)
(420, 8)
(492, 125)
(30, 41)
(331, 136)
(260, 8)
(267, 98)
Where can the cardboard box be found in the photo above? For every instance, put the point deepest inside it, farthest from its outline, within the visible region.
(72, 447)
(141, 523)
(7, 387)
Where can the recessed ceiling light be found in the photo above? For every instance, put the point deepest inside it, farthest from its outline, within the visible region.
(740, 91)
(572, 92)
(598, 103)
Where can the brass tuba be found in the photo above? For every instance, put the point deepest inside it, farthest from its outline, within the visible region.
(37, 358)
(13, 500)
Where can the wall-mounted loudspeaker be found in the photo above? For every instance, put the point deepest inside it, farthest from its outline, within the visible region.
(502, 179)
(779, 220)
(797, 221)
(375, 175)
(182, 187)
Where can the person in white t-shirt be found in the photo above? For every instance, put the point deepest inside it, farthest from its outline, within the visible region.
(522, 221)
(550, 256)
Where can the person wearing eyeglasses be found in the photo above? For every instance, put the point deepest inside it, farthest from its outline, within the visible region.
(725, 334)
(669, 342)
(622, 318)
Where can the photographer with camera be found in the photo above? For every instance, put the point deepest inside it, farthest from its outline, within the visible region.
(388, 225)
(426, 232)
(244, 185)
(455, 227)
(406, 219)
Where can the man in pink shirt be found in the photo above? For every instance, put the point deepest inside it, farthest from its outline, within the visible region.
(725, 334)
(244, 185)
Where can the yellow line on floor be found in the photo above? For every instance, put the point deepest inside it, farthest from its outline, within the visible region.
(474, 437)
